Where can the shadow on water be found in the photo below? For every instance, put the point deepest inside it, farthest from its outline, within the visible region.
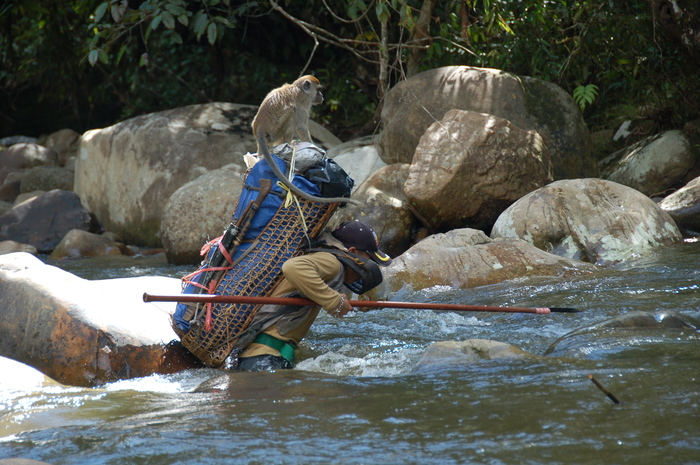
(353, 398)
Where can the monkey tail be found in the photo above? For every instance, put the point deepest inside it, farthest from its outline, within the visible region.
(262, 147)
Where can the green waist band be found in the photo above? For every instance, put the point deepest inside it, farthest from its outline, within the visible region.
(285, 349)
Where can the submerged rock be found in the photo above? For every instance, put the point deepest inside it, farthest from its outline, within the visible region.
(633, 330)
(445, 354)
(86, 333)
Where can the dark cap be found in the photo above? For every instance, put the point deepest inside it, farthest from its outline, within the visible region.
(360, 235)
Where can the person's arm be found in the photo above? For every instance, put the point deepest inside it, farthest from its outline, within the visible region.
(309, 275)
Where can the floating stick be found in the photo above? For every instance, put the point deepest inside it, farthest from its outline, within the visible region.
(605, 391)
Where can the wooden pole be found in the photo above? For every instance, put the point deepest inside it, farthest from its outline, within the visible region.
(239, 299)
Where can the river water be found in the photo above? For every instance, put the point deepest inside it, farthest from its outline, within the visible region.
(353, 398)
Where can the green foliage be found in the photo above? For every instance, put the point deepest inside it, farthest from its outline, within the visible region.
(201, 18)
(585, 95)
(94, 62)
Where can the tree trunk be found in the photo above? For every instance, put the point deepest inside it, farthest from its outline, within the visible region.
(420, 34)
(678, 20)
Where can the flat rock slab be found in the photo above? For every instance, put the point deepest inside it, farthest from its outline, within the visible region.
(85, 333)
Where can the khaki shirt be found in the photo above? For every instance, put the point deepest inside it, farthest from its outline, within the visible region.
(310, 275)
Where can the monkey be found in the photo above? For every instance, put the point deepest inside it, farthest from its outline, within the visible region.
(283, 114)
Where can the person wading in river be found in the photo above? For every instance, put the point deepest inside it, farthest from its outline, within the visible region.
(347, 257)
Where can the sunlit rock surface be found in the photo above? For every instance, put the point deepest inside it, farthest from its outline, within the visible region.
(82, 332)
(464, 258)
(592, 220)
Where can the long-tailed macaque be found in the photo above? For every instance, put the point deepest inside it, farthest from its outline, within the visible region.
(284, 115)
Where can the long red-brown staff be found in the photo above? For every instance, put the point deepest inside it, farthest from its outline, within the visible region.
(239, 299)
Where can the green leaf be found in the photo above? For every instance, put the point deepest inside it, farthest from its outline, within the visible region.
(156, 22)
(168, 20)
(122, 49)
(100, 12)
(211, 33)
(104, 58)
(174, 10)
(117, 13)
(93, 56)
(183, 19)
(383, 12)
(201, 21)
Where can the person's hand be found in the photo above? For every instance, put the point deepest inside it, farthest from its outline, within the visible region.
(345, 308)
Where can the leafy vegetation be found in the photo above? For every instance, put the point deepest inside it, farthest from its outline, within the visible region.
(91, 63)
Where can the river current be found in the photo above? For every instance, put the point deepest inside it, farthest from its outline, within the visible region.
(353, 398)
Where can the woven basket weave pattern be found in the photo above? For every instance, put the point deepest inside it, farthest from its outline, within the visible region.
(257, 273)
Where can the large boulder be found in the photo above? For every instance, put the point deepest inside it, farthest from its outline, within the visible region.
(469, 167)
(684, 207)
(43, 221)
(651, 165)
(198, 212)
(384, 206)
(358, 157)
(465, 258)
(588, 219)
(528, 103)
(126, 173)
(85, 333)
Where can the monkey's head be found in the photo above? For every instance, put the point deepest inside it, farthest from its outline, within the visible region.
(311, 87)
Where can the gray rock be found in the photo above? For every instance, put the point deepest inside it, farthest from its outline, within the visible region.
(78, 243)
(44, 220)
(684, 207)
(12, 246)
(126, 173)
(469, 167)
(592, 220)
(528, 103)
(384, 207)
(358, 157)
(652, 165)
(46, 178)
(198, 212)
(65, 142)
(464, 258)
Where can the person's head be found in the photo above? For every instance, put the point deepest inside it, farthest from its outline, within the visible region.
(359, 236)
